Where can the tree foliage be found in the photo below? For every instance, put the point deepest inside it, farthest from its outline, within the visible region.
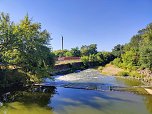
(88, 50)
(25, 45)
(117, 50)
(101, 58)
(138, 52)
(75, 52)
(60, 53)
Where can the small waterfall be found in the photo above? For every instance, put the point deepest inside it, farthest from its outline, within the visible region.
(89, 79)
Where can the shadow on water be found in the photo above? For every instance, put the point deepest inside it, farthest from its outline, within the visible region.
(28, 100)
(34, 95)
(78, 93)
(78, 101)
(90, 98)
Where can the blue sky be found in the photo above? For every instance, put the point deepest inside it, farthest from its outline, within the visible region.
(83, 22)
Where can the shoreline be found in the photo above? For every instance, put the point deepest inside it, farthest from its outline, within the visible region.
(113, 71)
(148, 90)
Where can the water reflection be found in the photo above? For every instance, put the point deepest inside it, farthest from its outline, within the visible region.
(148, 102)
(129, 81)
(32, 100)
(71, 96)
(77, 101)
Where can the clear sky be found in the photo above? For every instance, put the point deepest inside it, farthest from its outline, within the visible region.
(82, 22)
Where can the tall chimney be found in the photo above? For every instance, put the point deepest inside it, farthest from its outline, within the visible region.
(62, 42)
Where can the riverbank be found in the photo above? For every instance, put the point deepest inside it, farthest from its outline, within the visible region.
(148, 90)
(86, 91)
(72, 67)
(112, 70)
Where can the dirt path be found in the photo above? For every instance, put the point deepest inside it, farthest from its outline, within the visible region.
(111, 70)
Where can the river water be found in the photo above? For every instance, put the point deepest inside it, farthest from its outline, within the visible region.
(84, 92)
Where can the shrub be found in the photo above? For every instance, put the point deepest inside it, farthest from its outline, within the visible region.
(100, 68)
(123, 73)
(117, 62)
(85, 60)
(135, 74)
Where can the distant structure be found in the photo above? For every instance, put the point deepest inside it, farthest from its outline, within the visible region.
(68, 58)
(62, 42)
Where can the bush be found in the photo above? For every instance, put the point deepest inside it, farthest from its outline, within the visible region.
(100, 68)
(117, 62)
(135, 74)
(85, 60)
(9, 77)
(123, 73)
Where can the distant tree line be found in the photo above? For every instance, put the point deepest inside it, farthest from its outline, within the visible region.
(88, 53)
(76, 52)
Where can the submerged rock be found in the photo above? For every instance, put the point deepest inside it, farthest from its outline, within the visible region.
(1, 104)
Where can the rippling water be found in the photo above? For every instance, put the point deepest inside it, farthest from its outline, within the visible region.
(90, 79)
(79, 93)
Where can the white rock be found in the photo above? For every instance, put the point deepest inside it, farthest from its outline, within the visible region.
(1, 104)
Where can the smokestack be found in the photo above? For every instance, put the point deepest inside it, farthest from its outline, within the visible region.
(62, 42)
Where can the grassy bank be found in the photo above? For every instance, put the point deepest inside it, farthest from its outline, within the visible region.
(113, 70)
(110, 70)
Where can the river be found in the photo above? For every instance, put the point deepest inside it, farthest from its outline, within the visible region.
(82, 92)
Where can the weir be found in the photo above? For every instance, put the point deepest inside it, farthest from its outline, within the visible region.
(91, 79)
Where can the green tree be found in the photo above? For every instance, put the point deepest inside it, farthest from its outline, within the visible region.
(146, 47)
(146, 57)
(137, 53)
(60, 53)
(117, 62)
(88, 50)
(75, 52)
(92, 49)
(107, 57)
(117, 50)
(100, 57)
(25, 46)
(68, 54)
(92, 58)
(130, 59)
(85, 59)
